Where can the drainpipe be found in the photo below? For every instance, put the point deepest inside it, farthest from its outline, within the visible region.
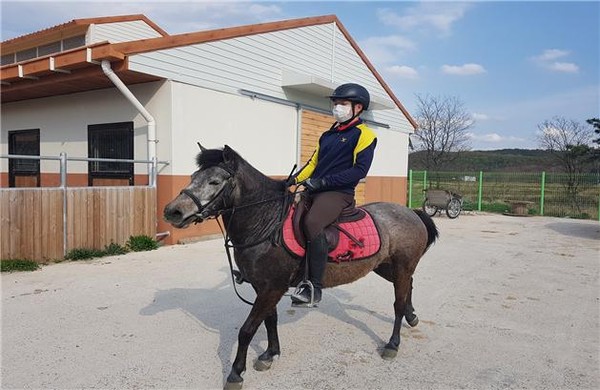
(147, 116)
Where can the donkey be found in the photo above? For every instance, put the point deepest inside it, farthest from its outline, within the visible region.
(252, 207)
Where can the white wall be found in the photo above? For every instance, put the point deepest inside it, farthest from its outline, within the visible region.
(121, 32)
(263, 133)
(256, 63)
(391, 156)
(63, 122)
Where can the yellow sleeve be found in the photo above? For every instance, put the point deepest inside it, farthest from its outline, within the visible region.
(308, 169)
(366, 138)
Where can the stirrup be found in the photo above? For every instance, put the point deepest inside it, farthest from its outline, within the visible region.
(308, 284)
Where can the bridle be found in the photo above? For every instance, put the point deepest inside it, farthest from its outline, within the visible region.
(273, 233)
(201, 214)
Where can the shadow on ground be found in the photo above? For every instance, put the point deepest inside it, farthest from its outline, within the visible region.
(219, 311)
(575, 229)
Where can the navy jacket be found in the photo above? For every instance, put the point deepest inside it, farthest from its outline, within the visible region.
(343, 157)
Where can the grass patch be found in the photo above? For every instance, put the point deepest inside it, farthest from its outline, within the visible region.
(115, 249)
(14, 265)
(141, 243)
(135, 244)
(83, 254)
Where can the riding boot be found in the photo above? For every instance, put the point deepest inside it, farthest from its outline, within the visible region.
(316, 252)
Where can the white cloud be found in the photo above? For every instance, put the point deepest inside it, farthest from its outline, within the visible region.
(463, 70)
(402, 71)
(438, 15)
(551, 54)
(479, 117)
(386, 49)
(566, 67)
(493, 138)
(547, 61)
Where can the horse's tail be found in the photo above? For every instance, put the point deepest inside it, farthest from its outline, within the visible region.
(432, 231)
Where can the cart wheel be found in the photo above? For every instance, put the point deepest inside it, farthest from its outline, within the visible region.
(429, 209)
(453, 208)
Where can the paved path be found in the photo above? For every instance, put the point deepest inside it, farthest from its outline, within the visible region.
(504, 302)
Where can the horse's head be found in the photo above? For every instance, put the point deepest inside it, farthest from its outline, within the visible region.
(209, 190)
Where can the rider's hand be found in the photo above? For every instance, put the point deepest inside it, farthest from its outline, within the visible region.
(289, 182)
(314, 184)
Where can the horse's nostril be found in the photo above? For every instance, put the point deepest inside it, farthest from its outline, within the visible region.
(172, 214)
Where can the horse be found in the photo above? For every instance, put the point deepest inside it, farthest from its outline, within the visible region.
(252, 206)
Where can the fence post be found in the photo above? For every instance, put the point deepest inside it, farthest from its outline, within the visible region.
(63, 186)
(480, 191)
(424, 180)
(410, 181)
(542, 193)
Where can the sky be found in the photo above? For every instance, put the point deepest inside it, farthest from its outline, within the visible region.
(513, 64)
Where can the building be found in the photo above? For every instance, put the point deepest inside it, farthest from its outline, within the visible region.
(121, 87)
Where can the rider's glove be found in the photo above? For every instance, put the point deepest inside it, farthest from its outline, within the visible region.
(290, 181)
(313, 185)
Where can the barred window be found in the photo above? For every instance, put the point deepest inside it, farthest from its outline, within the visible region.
(24, 143)
(110, 140)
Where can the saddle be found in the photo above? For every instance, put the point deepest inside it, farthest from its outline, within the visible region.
(352, 236)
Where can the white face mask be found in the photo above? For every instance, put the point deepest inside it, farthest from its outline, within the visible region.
(342, 113)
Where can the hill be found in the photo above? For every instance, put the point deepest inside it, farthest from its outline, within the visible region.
(502, 160)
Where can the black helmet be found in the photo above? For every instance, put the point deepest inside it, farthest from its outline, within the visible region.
(353, 92)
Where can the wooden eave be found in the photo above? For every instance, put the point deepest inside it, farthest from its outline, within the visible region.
(71, 71)
(69, 29)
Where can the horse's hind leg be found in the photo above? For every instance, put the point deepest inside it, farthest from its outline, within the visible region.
(401, 289)
(266, 358)
(409, 311)
(263, 307)
(385, 271)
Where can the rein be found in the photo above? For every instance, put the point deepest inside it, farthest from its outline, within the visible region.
(272, 234)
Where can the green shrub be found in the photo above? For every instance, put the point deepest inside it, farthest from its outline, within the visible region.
(141, 243)
(83, 254)
(12, 265)
(114, 249)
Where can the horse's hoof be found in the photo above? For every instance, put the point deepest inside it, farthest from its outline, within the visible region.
(412, 321)
(233, 385)
(389, 354)
(262, 365)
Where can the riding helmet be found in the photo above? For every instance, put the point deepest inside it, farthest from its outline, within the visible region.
(353, 92)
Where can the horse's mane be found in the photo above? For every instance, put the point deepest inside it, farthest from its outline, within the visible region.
(209, 158)
(213, 157)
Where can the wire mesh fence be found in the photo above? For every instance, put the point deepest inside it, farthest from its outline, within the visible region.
(551, 194)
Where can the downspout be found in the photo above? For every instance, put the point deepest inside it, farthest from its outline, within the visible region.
(142, 110)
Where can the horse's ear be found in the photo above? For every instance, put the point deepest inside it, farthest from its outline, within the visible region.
(228, 154)
(202, 148)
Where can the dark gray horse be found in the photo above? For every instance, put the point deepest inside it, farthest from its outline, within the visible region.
(251, 205)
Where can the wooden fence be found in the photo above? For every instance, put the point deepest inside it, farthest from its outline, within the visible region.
(43, 224)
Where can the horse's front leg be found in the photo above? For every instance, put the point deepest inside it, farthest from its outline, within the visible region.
(264, 306)
(266, 359)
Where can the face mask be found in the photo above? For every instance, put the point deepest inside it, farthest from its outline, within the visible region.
(342, 113)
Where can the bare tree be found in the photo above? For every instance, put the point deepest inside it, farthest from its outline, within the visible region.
(569, 141)
(442, 133)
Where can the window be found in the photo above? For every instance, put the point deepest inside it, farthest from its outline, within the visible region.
(50, 48)
(110, 140)
(24, 172)
(73, 42)
(8, 59)
(28, 54)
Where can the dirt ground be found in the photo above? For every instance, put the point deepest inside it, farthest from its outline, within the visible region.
(505, 303)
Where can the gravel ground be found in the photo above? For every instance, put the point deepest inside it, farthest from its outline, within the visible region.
(505, 303)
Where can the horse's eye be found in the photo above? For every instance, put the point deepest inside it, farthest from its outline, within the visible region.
(213, 183)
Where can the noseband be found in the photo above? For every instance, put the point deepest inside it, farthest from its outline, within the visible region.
(201, 214)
